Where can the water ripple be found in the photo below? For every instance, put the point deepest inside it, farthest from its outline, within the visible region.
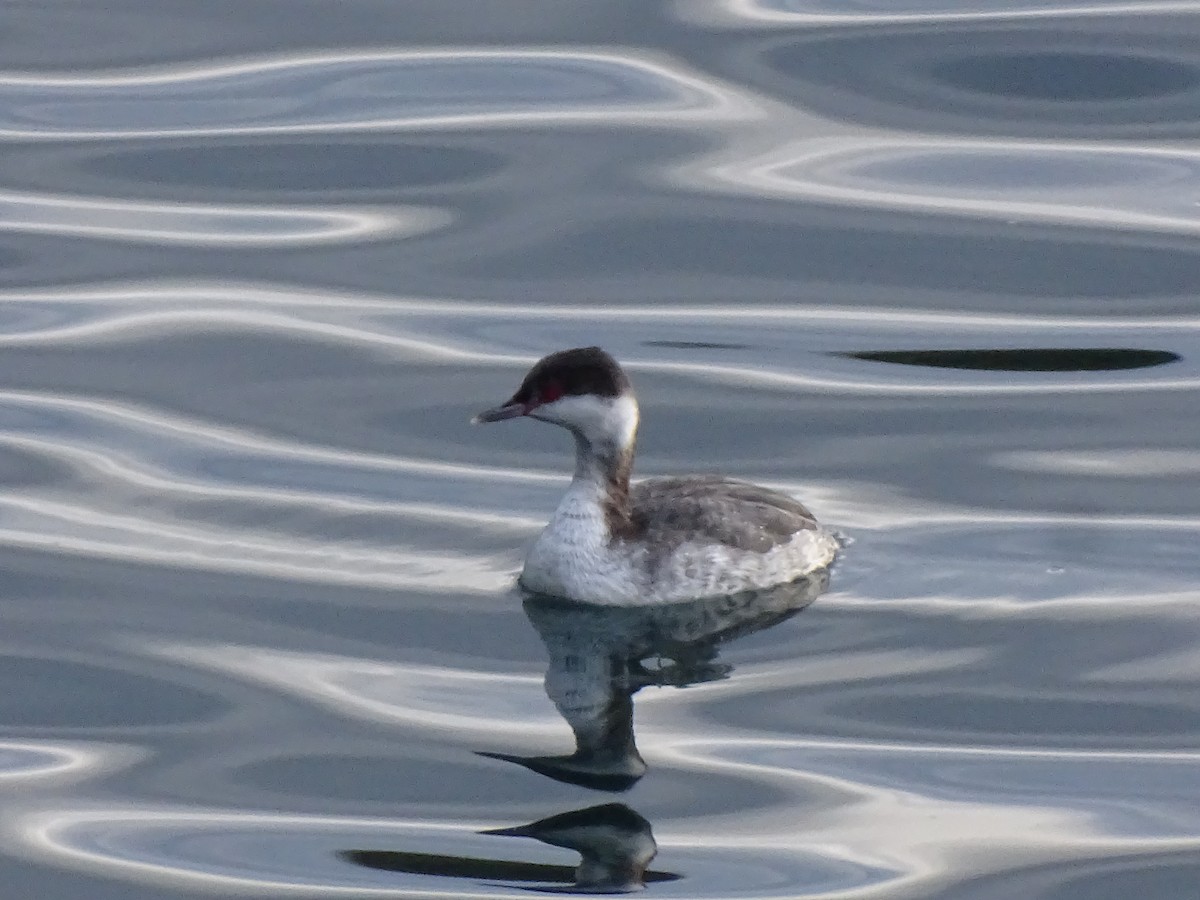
(1103, 77)
(85, 531)
(454, 702)
(206, 224)
(152, 486)
(39, 763)
(926, 816)
(467, 88)
(447, 330)
(246, 530)
(1114, 463)
(252, 852)
(807, 13)
(135, 453)
(1079, 183)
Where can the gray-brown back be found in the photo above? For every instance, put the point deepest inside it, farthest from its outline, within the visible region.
(667, 512)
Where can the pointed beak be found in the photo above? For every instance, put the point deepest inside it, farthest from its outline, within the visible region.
(509, 410)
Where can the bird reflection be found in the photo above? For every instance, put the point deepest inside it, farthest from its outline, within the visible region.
(614, 842)
(601, 656)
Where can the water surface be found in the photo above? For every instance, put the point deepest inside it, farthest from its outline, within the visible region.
(931, 267)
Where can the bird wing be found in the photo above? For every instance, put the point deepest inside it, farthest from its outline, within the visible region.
(716, 509)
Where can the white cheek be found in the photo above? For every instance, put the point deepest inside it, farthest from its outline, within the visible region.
(597, 418)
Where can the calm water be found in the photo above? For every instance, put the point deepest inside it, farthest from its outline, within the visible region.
(932, 266)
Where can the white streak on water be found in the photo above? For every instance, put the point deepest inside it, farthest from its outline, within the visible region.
(43, 524)
(815, 13)
(125, 471)
(105, 840)
(458, 704)
(368, 91)
(144, 421)
(40, 764)
(1131, 462)
(207, 224)
(224, 294)
(425, 329)
(1112, 185)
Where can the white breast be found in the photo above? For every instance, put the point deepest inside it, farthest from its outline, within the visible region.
(573, 557)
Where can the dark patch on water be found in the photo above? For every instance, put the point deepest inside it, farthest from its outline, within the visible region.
(309, 165)
(1043, 81)
(56, 693)
(1033, 359)
(471, 867)
(695, 345)
(1067, 76)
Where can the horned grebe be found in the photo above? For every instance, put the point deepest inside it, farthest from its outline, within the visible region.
(658, 540)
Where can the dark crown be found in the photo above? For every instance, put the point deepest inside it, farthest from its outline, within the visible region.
(583, 370)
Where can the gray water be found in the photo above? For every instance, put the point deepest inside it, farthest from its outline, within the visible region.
(930, 266)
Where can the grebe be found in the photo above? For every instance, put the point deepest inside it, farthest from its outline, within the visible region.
(655, 541)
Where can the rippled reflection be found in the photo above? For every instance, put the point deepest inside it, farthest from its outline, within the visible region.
(47, 762)
(271, 852)
(1071, 76)
(600, 657)
(932, 265)
(1053, 77)
(616, 845)
(412, 89)
(825, 12)
(425, 330)
(302, 165)
(206, 225)
(615, 842)
(440, 697)
(1068, 182)
(228, 852)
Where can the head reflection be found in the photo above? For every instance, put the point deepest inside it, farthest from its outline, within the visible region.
(600, 656)
(615, 845)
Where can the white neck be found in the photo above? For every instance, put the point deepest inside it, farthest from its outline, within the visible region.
(605, 432)
(595, 507)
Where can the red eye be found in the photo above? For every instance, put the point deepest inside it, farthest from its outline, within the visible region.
(550, 392)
